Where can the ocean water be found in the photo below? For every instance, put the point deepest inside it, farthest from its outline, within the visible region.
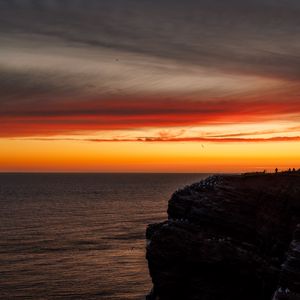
(79, 236)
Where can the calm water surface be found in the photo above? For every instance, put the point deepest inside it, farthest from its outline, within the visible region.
(79, 236)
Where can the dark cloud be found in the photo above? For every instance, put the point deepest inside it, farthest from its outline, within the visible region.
(33, 84)
(179, 139)
(252, 37)
(204, 139)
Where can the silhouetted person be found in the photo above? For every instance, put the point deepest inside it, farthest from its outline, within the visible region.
(276, 170)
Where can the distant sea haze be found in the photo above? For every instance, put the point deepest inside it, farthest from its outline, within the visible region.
(79, 236)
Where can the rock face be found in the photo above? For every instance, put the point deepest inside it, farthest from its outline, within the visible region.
(226, 239)
(289, 282)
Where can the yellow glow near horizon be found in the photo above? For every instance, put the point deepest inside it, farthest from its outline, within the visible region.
(83, 156)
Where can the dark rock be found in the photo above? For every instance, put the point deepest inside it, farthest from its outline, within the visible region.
(289, 283)
(225, 239)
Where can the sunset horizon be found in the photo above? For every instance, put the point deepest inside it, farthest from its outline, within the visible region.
(138, 86)
(150, 149)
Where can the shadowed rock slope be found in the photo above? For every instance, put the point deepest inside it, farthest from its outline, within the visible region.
(226, 238)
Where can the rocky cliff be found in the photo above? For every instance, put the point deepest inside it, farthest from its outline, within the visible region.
(228, 238)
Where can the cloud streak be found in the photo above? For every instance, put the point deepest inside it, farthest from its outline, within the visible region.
(204, 139)
(53, 118)
(178, 139)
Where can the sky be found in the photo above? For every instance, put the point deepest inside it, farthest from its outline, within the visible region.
(149, 86)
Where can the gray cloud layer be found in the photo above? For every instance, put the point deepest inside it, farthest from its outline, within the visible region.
(260, 37)
(63, 50)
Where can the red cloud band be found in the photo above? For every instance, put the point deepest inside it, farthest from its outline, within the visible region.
(72, 117)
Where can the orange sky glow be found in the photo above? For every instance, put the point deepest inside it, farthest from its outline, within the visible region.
(86, 156)
(145, 86)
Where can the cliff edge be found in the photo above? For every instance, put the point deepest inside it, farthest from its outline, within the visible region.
(228, 237)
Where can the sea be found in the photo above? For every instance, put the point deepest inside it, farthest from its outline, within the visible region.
(80, 236)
